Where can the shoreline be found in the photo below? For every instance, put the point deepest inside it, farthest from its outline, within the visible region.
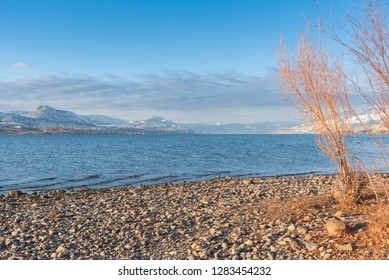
(252, 218)
(35, 189)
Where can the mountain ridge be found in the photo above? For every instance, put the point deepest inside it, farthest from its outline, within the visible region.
(49, 120)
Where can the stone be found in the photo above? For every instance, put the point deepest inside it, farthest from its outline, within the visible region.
(15, 233)
(301, 230)
(348, 247)
(234, 251)
(272, 255)
(338, 214)
(335, 227)
(249, 243)
(146, 242)
(338, 195)
(291, 227)
(307, 219)
(61, 249)
(308, 237)
(248, 181)
(311, 246)
(293, 244)
(327, 256)
(15, 193)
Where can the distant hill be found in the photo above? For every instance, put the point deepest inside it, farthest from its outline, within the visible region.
(371, 123)
(46, 119)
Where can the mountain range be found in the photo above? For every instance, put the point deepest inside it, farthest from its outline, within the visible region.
(48, 120)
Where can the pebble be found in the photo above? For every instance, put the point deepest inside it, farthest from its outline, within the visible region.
(294, 245)
(14, 193)
(308, 237)
(338, 214)
(291, 227)
(61, 249)
(347, 247)
(335, 227)
(215, 219)
(311, 246)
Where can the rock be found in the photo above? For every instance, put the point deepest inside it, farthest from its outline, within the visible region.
(248, 181)
(347, 247)
(327, 256)
(338, 195)
(338, 214)
(249, 243)
(335, 227)
(301, 230)
(293, 244)
(15, 233)
(145, 242)
(311, 246)
(61, 249)
(307, 219)
(291, 227)
(234, 251)
(308, 237)
(272, 255)
(15, 193)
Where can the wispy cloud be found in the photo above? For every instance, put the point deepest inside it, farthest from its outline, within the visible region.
(182, 95)
(20, 67)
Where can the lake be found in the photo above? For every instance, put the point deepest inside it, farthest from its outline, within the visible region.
(41, 162)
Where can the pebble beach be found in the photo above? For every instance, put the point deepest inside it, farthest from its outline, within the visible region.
(220, 219)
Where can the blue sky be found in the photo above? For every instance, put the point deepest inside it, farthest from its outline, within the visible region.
(188, 60)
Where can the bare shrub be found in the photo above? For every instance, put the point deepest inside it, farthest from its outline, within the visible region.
(314, 82)
(369, 47)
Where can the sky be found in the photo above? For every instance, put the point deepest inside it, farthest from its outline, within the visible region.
(186, 60)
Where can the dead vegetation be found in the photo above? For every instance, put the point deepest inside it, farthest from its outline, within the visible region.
(314, 80)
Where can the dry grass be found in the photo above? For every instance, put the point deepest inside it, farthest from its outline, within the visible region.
(378, 226)
(293, 209)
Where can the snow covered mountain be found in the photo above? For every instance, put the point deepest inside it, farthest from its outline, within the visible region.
(13, 121)
(230, 128)
(49, 120)
(101, 120)
(157, 124)
(366, 121)
(46, 119)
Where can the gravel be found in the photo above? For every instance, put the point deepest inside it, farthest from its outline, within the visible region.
(253, 218)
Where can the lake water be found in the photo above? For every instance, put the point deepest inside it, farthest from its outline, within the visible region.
(40, 162)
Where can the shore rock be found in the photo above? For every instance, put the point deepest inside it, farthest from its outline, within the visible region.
(214, 219)
(347, 247)
(335, 227)
(14, 193)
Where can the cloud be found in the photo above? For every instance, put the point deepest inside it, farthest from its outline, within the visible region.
(181, 94)
(20, 67)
